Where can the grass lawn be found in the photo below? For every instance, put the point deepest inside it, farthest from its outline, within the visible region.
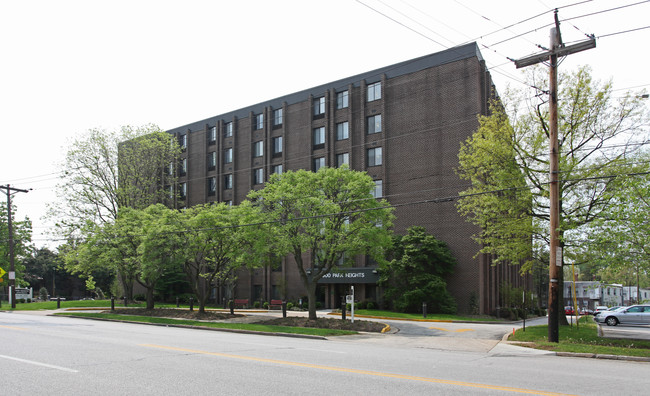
(582, 339)
(49, 305)
(236, 326)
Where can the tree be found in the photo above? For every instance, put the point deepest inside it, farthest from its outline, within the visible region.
(619, 241)
(597, 133)
(416, 273)
(40, 269)
(105, 171)
(22, 236)
(329, 215)
(211, 241)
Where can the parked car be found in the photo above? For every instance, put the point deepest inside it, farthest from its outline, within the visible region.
(600, 308)
(587, 311)
(568, 310)
(636, 314)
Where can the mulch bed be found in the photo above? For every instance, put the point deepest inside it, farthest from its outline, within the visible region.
(293, 321)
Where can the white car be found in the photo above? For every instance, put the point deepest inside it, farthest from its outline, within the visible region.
(636, 314)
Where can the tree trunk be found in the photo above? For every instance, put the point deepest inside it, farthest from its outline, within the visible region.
(311, 303)
(150, 302)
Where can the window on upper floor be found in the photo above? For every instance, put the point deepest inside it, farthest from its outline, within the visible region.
(212, 160)
(277, 169)
(374, 91)
(319, 163)
(277, 117)
(374, 124)
(319, 137)
(319, 106)
(227, 155)
(212, 135)
(374, 156)
(183, 170)
(258, 176)
(259, 121)
(342, 130)
(378, 192)
(212, 186)
(182, 141)
(227, 129)
(182, 190)
(342, 100)
(227, 181)
(277, 145)
(258, 148)
(342, 159)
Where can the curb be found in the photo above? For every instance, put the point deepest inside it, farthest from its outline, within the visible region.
(313, 337)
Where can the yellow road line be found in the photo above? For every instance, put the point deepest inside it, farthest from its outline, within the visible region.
(355, 371)
(453, 331)
(13, 328)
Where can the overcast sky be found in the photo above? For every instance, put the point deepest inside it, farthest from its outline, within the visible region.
(69, 66)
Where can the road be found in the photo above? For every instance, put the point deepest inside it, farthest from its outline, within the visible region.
(55, 355)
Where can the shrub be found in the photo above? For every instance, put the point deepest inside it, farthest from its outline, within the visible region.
(371, 305)
(42, 294)
(266, 305)
(256, 304)
(289, 305)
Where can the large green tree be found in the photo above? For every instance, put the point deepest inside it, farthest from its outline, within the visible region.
(328, 216)
(507, 162)
(104, 171)
(209, 241)
(417, 273)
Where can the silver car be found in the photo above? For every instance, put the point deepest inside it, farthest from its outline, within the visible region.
(636, 314)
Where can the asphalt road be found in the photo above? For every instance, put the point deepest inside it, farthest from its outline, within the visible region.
(55, 356)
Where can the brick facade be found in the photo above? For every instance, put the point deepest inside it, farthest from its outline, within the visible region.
(428, 106)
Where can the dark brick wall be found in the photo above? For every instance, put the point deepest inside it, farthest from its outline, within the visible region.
(426, 114)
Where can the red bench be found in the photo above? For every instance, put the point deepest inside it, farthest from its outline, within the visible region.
(275, 304)
(242, 302)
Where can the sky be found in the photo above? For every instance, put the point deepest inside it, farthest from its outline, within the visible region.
(68, 66)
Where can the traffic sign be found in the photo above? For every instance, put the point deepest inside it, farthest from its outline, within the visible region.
(2, 273)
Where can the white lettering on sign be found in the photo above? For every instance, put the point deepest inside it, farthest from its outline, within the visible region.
(337, 275)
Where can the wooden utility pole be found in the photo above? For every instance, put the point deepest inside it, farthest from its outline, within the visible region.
(12, 269)
(555, 265)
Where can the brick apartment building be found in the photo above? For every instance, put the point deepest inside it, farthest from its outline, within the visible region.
(402, 124)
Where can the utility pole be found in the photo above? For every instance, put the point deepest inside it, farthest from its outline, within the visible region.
(12, 269)
(555, 265)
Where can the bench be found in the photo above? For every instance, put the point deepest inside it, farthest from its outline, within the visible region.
(275, 304)
(243, 302)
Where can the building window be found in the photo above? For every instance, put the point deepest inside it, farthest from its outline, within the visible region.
(258, 176)
(378, 192)
(277, 169)
(212, 135)
(319, 163)
(182, 141)
(277, 146)
(374, 92)
(319, 106)
(259, 121)
(227, 181)
(258, 149)
(212, 186)
(227, 129)
(342, 130)
(374, 124)
(342, 100)
(277, 117)
(374, 156)
(212, 160)
(342, 159)
(182, 190)
(183, 167)
(227, 156)
(319, 137)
